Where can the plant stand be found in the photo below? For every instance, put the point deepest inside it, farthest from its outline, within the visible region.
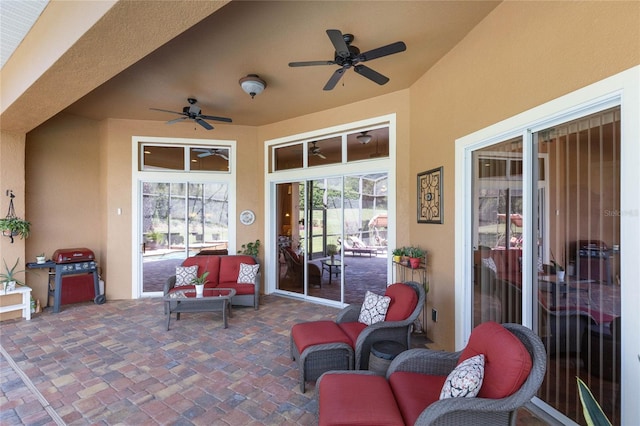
(25, 306)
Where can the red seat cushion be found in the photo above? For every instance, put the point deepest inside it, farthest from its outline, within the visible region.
(356, 399)
(507, 362)
(403, 301)
(353, 330)
(313, 333)
(415, 392)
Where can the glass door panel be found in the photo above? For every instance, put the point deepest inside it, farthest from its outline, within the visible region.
(290, 227)
(498, 238)
(163, 227)
(578, 284)
(365, 235)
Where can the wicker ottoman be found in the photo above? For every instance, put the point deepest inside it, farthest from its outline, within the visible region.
(319, 346)
(382, 353)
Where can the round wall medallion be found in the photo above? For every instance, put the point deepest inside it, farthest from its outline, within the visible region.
(247, 217)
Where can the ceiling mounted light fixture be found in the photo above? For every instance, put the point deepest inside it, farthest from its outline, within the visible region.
(363, 138)
(252, 84)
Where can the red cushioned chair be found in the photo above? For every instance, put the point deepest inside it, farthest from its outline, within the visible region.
(515, 364)
(320, 346)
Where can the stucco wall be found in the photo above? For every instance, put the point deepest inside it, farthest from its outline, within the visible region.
(522, 55)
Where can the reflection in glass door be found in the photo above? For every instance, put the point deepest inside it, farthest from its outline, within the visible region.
(178, 220)
(573, 291)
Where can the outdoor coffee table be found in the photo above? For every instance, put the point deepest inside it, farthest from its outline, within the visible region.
(212, 300)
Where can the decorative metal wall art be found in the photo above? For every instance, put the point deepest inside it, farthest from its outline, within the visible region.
(430, 196)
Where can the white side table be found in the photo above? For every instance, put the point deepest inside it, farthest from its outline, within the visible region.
(25, 306)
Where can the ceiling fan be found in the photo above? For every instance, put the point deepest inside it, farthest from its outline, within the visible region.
(347, 56)
(193, 112)
(206, 152)
(315, 150)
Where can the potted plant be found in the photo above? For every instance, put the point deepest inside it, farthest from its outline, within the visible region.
(154, 237)
(332, 250)
(14, 226)
(558, 267)
(199, 283)
(415, 256)
(397, 254)
(251, 249)
(9, 278)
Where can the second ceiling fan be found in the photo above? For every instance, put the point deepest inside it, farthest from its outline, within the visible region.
(348, 56)
(193, 112)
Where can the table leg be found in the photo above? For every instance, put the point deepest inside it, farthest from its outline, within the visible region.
(224, 312)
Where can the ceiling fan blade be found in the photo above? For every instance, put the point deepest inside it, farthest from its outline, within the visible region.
(338, 42)
(166, 110)
(321, 155)
(310, 63)
(176, 120)
(371, 74)
(389, 49)
(203, 123)
(333, 80)
(224, 157)
(205, 154)
(213, 117)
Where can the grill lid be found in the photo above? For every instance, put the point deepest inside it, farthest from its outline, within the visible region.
(72, 255)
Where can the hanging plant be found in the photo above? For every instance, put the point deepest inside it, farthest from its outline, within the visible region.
(11, 225)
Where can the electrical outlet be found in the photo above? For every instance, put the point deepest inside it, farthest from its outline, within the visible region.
(434, 315)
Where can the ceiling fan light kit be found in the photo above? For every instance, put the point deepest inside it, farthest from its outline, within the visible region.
(252, 85)
(364, 138)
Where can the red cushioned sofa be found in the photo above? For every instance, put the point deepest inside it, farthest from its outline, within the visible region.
(514, 367)
(223, 273)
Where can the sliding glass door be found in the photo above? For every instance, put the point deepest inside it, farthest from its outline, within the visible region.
(571, 296)
(332, 237)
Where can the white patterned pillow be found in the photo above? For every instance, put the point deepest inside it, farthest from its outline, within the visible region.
(489, 263)
(185, 274)
(465, 380)
(247, 274)
(374, 308)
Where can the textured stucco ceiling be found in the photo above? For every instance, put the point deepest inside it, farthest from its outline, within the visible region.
(262, 37)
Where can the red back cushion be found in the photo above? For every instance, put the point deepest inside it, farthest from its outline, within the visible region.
(403, 301)
(507, 362)
(230, 267)
(209, 264)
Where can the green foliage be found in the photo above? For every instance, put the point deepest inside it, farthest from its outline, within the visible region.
(414, 252)
(155, 236)
(15, 226)
(332, 249)
(592, 411)
(9, 274)
(251, 249)
(202, 279)
(399, 251)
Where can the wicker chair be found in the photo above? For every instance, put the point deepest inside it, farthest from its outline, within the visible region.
(345, 343)
(375, 400)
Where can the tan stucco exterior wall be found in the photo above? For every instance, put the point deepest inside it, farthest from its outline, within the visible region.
(523, 54)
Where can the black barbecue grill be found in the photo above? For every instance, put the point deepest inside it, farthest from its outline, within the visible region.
(74, 261)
